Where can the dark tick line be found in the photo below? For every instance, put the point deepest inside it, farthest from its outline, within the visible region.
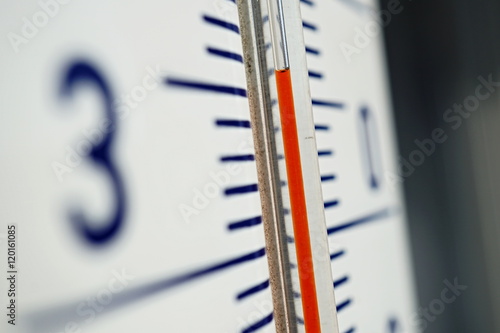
(206, 87)
(321, 127)
(245, 223)
(220, 23)
(325, 153)
(336, 255)
(382, 214)
(309, 26)
(326, 178)
(241, 189)
(261, 286)
(312, 50)
(374, 183)
(340, 281)
(261, 323)
(238, 158)
(225, 54)
(329, 204)
(343, 305)
(315, 75)
(56, 316)
(233, 123)
(334, 105)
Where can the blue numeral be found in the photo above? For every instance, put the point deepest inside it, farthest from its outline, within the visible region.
(77, 73)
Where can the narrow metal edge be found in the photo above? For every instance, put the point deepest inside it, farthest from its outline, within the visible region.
(259, 98)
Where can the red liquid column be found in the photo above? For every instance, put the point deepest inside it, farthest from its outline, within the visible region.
(298, 201)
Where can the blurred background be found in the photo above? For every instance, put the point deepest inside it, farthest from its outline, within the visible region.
(436, 52)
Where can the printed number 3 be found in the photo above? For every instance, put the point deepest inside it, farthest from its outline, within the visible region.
(79, 72)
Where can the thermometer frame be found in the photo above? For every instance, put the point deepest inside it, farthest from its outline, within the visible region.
(318, 303)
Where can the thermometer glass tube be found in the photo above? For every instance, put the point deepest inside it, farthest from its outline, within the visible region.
(312, 287)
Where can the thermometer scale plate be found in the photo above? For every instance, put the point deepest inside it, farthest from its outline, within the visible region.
(191, 234)
(170, 199)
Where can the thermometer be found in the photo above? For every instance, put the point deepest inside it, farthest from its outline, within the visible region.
(201, 166)
(302, 176)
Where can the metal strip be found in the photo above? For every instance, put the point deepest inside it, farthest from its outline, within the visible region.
(267, 164)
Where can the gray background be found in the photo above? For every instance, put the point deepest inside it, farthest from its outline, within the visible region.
(436, 50)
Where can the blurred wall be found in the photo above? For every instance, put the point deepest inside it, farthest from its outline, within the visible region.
(436, 52)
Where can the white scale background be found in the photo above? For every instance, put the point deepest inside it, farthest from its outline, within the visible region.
(376, 259)
(165, 149)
